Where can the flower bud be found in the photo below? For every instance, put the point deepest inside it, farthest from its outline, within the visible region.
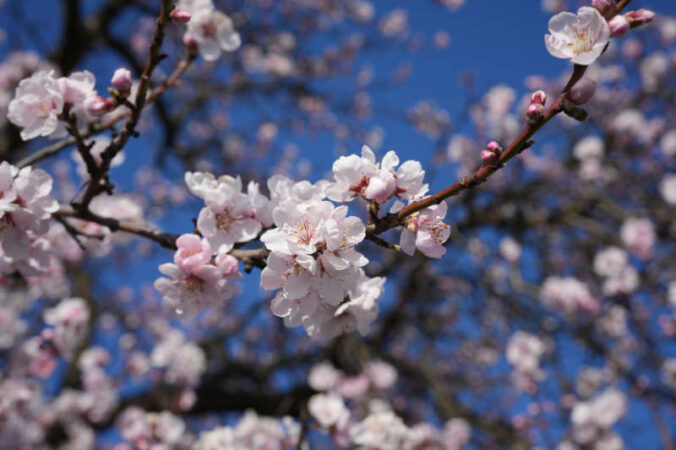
(639, 17)
(180, 16)
(538, 98)
(494, 147)
(491, 155)
(122, 81)
(98, 106)
(619, 25)
(534, 112)
(489, 158)
(582, 92)
(603, 6)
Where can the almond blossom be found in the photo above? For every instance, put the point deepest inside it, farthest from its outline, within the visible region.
(69, 319)
(25, 209)
(195, 281)
(425, 230)
(229, 215)
(580, 38)
(76, 89)
(214, 32)
(37, 105)
(362, 176)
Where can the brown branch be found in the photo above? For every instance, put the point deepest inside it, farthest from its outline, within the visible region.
(249, 257)
(98, 182)
(520, 143)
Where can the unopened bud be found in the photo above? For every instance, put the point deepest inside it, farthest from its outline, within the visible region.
(489, 158)
(639, 17)
(619, 25)
(582, 92)
(534, 112)
(538, 98)
(602, 5)
(180, 16)
(122, 81)
(98, 106)
(494, 147)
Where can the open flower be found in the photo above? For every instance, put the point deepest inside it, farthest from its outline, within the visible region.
(36, 106)
(425, 230)
(580, 38)
(214, 33)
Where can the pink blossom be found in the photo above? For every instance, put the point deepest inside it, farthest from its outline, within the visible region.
(25, 209)
(76, 88)
(328, 410)
(122, 81)
(638, 234)
(214, 33)
(191, 292)
(619, 25)
(192, 253)
(180, 16)
(69, 319)
(382, 374)
(355, 176)
(567, 295)
(323, 376)
(36, 106)
(426, 231)
(610, 261)
(228, 217)
(580, 38)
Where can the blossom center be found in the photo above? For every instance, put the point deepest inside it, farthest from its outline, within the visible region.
(582, 44)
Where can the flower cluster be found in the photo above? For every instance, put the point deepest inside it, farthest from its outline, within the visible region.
(25, 209)
(41, 100)
(211, 31)
(252, 432)
(196, 279)
(593, 420)
(230, 216)
(314, 263)
(153, 430)
(69, 319)
(524, 351)
(182, 364)
(342, 399)
(362, 176)
(568, 295)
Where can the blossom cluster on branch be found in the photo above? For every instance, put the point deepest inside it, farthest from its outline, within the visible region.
(534, 270)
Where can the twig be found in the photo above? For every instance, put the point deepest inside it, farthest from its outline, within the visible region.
(112, 119)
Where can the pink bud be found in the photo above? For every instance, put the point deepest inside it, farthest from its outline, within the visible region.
(534, 112)
(639, 17)
(619, 25)
(582, 92)
(538, 98)
(494, 147)
(190, 41)
(489, 158)
(98, 106)
(122, 81)
(180, 16)
(228, 264)
(602, 5)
